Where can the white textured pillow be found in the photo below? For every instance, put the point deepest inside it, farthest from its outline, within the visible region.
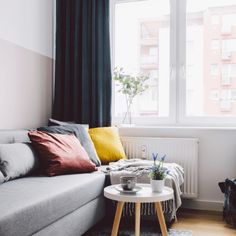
(1, 177)
(16, 160)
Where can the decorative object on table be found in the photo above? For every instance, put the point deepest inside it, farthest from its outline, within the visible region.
(131, 86)
(157, 174)
(133, 191)
(128, 182)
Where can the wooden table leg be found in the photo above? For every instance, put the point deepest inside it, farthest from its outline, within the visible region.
(161, 219)
(116, 223)
(137, 218)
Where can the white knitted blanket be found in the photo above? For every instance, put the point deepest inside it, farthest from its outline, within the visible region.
(140, 168)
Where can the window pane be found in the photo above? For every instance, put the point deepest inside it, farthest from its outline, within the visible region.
(211, 57)
(142, 48)
(214, 95)
(214, 69)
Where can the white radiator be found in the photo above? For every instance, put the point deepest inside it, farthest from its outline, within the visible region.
(183, 151)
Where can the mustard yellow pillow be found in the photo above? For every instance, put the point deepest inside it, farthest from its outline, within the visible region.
(107, 143)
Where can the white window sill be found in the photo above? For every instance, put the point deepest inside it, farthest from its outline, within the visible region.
(178, 127)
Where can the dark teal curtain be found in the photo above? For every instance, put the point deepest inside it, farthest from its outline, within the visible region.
(83, 67)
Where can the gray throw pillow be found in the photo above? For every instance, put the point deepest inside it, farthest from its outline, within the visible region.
(81, 133)
(16, 160)
(53, 122)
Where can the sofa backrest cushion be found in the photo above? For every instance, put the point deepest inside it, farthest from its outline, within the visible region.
(14, 136)
(53, 122)
(16, 160)
(61, 153)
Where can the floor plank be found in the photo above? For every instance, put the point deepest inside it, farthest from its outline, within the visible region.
(203, 223)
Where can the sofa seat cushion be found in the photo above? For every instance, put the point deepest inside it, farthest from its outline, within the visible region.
(30, 204)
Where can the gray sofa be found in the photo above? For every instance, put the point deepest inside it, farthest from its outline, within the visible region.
(38, 205)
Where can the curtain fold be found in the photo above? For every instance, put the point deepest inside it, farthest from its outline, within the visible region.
(83, 66)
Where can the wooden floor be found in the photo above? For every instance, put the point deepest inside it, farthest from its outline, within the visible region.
(203, 223)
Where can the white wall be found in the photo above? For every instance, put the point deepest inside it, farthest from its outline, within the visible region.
(26, 65)
(217, 159)
(28, 23)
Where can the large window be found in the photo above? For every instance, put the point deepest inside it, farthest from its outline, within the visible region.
(187, 49)
(142, 46)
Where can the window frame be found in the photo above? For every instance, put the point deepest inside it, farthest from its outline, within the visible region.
(149, 121)
(177, 75)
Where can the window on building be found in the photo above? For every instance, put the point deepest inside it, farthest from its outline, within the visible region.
(229, 45)
(214, 69)
(228, 20)
(214, 95)
(225, 94)
(153, 51)
(215, 44)
(181, 72)
(233, 94)
(225, 106)
(215, 19)
(228, 70)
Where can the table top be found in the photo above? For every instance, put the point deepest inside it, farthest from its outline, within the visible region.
(144, 195)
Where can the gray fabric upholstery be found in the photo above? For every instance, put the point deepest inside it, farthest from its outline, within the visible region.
(52, 122)
(61, 205)
(14, 136)
(16, 160)
(78, 222)
(29, 204)
(2, 178)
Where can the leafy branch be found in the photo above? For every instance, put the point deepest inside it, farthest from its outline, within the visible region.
(130, 86)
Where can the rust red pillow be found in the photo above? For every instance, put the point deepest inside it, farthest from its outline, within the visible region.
(61, 153)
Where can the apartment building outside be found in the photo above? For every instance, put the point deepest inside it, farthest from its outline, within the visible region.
(210, 62)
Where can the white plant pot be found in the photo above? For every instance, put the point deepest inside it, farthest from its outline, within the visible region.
(157, 185)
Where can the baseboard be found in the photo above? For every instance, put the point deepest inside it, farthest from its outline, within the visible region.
(202, 205)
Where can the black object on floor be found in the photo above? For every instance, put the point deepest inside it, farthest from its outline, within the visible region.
(229, 212)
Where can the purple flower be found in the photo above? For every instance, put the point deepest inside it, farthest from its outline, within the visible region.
(154, 156)
(163, 158)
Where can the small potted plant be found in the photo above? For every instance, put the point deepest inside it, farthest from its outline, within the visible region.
(157, 174)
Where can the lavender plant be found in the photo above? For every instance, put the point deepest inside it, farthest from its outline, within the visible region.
(158, 171)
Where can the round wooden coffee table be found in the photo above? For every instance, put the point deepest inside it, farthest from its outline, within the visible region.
(144, 195)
